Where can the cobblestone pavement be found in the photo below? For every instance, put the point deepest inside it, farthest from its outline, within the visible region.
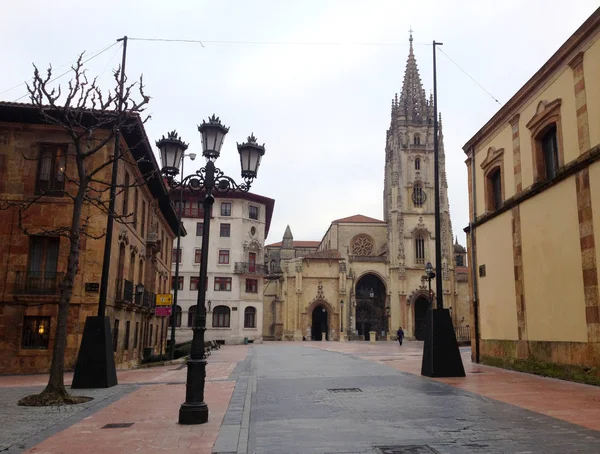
(309, 400)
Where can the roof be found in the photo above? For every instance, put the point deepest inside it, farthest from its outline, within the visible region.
(135, 137)
(358, 219)
(560, 57)
(326, 254)
(297, 244)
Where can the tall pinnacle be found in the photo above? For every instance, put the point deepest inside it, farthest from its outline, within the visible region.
(413, 102)
(288, 239)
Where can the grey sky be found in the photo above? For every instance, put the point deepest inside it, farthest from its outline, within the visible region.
(322, 110)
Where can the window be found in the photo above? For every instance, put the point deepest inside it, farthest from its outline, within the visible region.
(251, 286)
(177, 315)
(225, 208)
(221, 317)
(36, 332)
(135, 334)
(253, 212)
(143, 227)
(199, 228)
(222, 284)
(418, 164)
(191, 315)
(225, 230)
(180, 286)
(417, 139)
(125, 189)
(127, 328)
(176, 256)
(420, 249)
(549, 142)
(197, 255)
(43, 261)
(418, 195)
(115, 334)
(459, 260)
(252, 262)
(51, 170)
(194, 282)
(250, 317)
(132, 266)
(223, 256)
(495, 185)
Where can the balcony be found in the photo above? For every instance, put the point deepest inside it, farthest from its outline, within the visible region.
(249, 268)
(148, 300)
(124, 293)
(38, 282)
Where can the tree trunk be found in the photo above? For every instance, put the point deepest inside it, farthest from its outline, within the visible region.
(56, 383)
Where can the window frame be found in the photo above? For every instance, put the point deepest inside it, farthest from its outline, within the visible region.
(250, 317)
(222, 316)
(30, 331)
(191, 315)
(200, 227)
(223, 257)
(546, 117)
(254, 212)
(224, 227)
(180, 284)
(175, 253)
(197, 256)
(420, 249)
(494, 162)
(253, 287)
(222, 284)
(226, 209)
(55, 188)
(194, 280)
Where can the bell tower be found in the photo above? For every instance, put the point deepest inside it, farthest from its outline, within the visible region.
(409, 207)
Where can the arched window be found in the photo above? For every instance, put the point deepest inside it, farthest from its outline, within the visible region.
(420, 249)
(417, 139)
(250, 317)
(418, 164)
(418, 195)
(191, 315)
(221, 317)
(178, 316)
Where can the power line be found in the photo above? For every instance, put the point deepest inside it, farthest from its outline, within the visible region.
(70, 69)
(469, 76)
(278, 43)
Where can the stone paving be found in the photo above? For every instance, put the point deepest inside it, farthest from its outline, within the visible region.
(313, 397)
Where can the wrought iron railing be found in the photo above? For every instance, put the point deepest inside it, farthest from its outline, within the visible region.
(38, 282)
(463, 333)
(149, 300)
(124, 291)
(249, 268)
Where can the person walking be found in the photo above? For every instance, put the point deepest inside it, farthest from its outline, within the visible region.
(400, 335)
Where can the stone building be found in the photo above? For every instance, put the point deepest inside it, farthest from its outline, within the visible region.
(367, 274)
(238, 227)
(34, 159)
(534, 196)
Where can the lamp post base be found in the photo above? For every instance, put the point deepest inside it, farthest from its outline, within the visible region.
(441, 355)
(95, 367)
(193, 413)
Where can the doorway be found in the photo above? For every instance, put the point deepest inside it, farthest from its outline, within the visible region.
(421, 308)
(371, 314)
(320, 323)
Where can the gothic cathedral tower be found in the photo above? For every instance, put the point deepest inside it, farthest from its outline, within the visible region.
(409, 205)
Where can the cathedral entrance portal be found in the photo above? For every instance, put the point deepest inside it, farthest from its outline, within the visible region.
(421, 308)
(320, 323)
(370, 306)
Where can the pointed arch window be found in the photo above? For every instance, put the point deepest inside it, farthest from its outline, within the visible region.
(418, 195)
(420, 248)
(418, 164)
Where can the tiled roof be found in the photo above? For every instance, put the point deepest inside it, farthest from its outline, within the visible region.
(327, 254)
(359, 218)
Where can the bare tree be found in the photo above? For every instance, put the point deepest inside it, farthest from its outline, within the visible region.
(92, 121)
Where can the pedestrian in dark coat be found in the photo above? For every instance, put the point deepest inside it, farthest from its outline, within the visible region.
(400, 335)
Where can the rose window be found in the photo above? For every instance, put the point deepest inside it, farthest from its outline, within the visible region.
(362, 245)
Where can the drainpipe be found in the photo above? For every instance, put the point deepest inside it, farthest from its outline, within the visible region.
(474, 255)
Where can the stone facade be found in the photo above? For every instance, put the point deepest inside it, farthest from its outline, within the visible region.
(236, 250)
(534, 196)
(367, 274)
(140, 251)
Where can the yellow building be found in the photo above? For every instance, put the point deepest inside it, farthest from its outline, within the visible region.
(534, 196)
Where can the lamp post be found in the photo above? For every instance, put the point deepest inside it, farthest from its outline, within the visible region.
(192, 156)
(430, 275)
(205, 181)
(342, 314)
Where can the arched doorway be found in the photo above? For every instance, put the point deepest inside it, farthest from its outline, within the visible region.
(320, 323)
(421, 308)
(370, 306)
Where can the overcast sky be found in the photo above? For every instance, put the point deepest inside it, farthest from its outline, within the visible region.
(321, 109)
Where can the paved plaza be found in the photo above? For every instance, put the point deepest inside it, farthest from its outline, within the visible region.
(313, 397)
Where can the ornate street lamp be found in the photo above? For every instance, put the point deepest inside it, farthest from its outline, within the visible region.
(205, 181)
(430, 275)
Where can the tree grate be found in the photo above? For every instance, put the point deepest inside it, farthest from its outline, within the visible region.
(345, 390)
(118, 425)
(406, 449)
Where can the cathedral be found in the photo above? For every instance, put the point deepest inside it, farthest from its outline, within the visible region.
(366, 277)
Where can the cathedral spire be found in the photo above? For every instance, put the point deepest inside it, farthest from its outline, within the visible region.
(288, 239)
(413, 101)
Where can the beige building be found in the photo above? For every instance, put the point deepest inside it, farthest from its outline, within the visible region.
(366, 275)
(534, 196)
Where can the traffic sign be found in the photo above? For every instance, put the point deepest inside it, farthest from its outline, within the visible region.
(164, 299)
(163, 311)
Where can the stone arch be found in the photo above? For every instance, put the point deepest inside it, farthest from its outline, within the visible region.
(371, 309)
(316, 323)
